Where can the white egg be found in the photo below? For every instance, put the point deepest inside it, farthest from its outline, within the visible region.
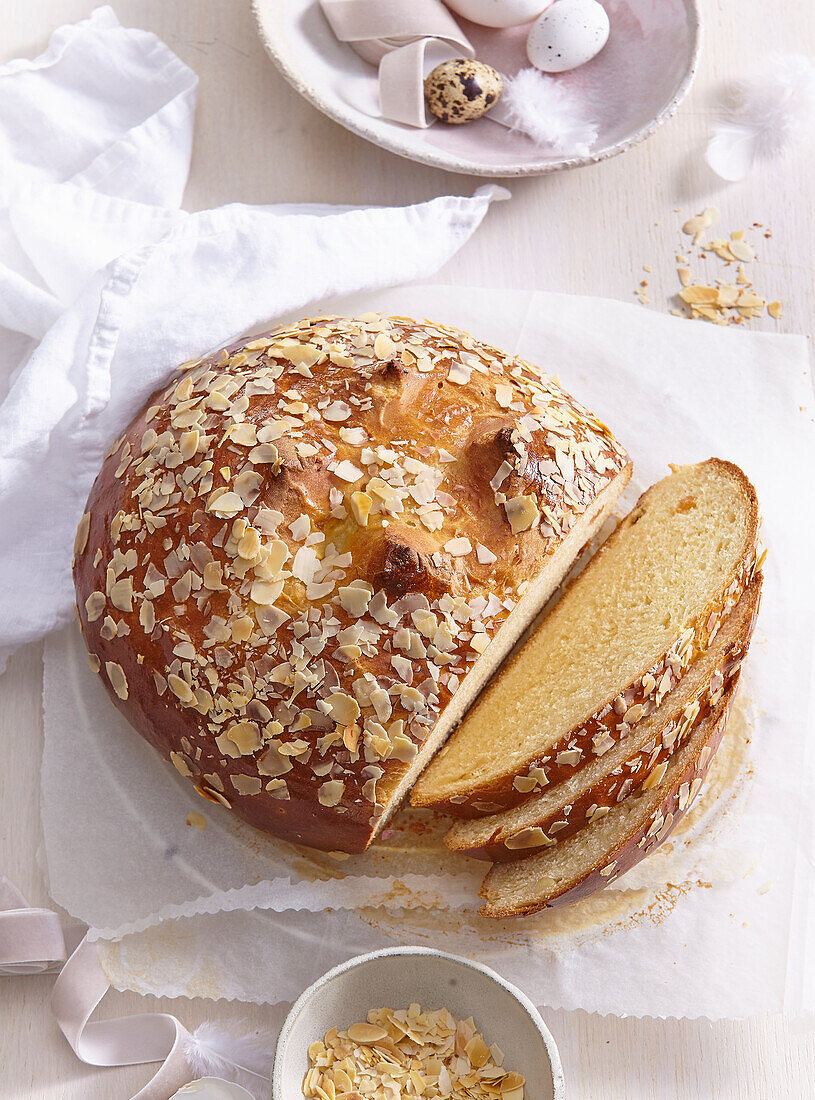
(569, 34)
(498, 13)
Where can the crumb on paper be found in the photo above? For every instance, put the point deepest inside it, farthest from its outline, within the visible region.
(409, 1052)
(196, 820)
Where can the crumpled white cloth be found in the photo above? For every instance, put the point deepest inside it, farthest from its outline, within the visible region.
(105, 285)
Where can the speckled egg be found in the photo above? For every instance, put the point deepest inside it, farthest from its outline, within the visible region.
(498, 13)
(460, 91)
(567, 35)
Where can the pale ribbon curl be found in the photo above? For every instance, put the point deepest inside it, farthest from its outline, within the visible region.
(405, 38)
(33, 941)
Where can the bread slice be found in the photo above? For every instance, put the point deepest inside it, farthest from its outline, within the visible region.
(608, 848)
(620, 638)
(637, 762)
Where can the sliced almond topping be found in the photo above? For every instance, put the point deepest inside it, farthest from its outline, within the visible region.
(330, 793)
(361, 505)
(522, 513)
(180, 688)
(94, 606)
(226, 505)
(245, 736)
(81, 537)
(384, 347)
(180, 764)
(118, 680)
(459, 547)
(355, 600)
(344, 709)
(533, 837)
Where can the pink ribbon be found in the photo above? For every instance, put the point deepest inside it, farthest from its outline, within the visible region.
(406, 39)
(33, 941)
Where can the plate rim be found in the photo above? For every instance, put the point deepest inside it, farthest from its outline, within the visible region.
(450, 163)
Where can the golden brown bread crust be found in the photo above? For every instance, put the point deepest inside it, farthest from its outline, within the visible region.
(298, 549)
(611, 721)
(642, 834)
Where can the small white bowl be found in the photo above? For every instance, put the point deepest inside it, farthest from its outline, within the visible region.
(399, 976)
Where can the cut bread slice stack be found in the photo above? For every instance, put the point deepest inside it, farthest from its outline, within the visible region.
(637, 762)
(606, 849)
(620, 638)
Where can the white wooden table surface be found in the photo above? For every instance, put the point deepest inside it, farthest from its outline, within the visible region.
(587, 232)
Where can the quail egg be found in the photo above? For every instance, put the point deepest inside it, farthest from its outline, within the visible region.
(567, 35)
(462, 90)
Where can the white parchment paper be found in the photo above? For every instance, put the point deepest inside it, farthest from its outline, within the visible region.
(718, 922)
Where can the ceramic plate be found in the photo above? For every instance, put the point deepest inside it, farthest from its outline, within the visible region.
(630, 88)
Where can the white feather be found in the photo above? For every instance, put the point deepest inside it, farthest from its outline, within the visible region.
(242, 1056)
(764, 117)
(536, 104)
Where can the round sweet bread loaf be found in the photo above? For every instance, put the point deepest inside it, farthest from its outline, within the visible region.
(306, 554)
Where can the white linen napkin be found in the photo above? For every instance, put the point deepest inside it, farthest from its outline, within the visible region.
(119, 286)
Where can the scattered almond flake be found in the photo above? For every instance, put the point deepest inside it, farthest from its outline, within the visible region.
(501, 474)
(331, 792)
(245, 736)
(409, 1052)
(727, 296)
(226, 505)
(361, 505)
(264, 454)
(504, 395)
(347, 471)
(180, 764)
(117, 678)
(459, 373)
(775, 310)
(766, 887)
(180, 688)
(337, 411)
(696, 295)
(344, 709)
(531, 837)
(742, 251)
(196, 820)
(459, 547)
(721, 304)
(353, 436)
(697, 225)
(355, 599)
(748, 299)
(384, 347)
(81, 537)
(522, 513)
(94, 606)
